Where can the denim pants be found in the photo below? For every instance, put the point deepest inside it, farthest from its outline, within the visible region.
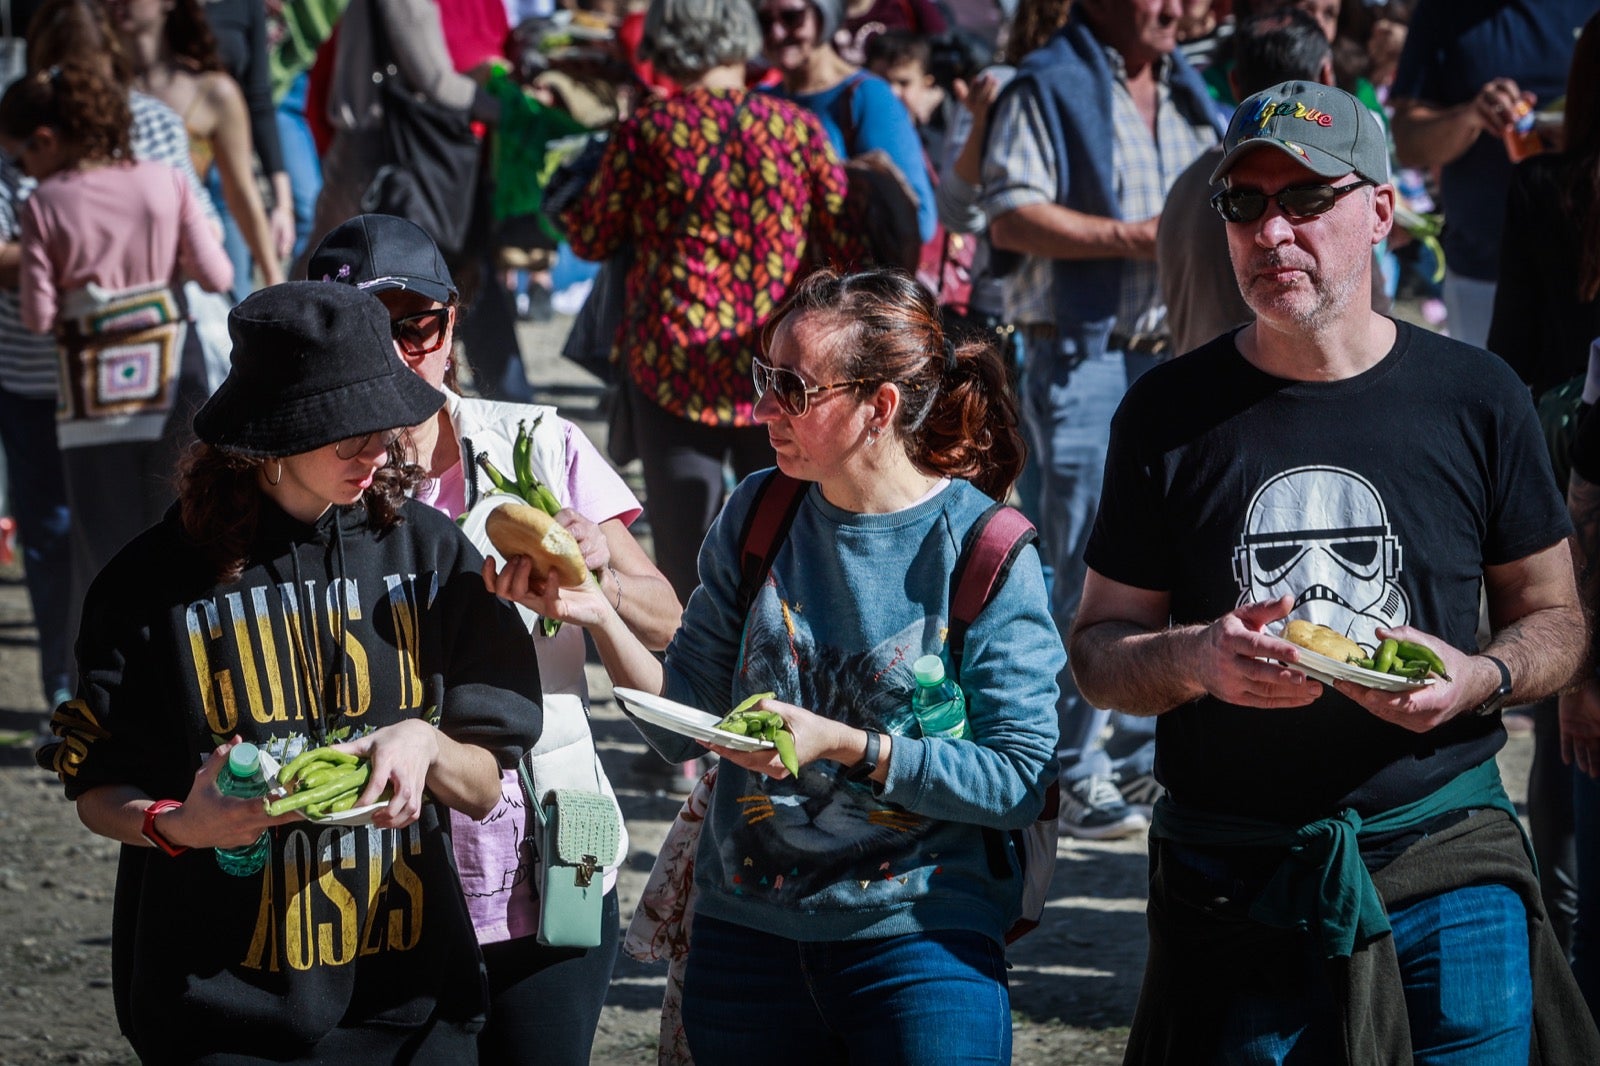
(934, 997)
(300, 161)
(1469, 996)
(1586, 924)
(39, 504)
(1067, 404)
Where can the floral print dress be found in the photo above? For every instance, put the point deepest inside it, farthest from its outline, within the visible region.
(729, 198)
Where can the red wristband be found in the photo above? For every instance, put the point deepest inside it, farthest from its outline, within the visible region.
(153, 835)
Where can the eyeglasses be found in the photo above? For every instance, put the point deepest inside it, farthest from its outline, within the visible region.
(791, 18)
(790, 389)
(1297, 201)
(421, 333)
(351, 447)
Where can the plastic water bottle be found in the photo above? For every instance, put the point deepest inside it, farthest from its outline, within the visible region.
(940, 707)
(243, 777)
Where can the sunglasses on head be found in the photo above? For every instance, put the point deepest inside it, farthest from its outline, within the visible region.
(790, 389)
(791, 18)
(421, 333)
(1297, 201)
(351, 447)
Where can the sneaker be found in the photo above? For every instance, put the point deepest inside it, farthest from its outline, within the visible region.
(1093, 809)
(1139, 791)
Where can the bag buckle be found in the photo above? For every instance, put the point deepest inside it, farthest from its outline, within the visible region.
(585, 871)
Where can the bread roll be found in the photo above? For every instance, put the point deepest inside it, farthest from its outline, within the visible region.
(518, 529)
(1322, 640)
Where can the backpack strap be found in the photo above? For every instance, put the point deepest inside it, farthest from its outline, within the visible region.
(988, 552)
(777, 501)
(844, 114)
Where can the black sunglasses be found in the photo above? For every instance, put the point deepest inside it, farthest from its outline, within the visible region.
(792, 18)
(790, 389)
(1297, 201)
(351, 447)
(421, 333)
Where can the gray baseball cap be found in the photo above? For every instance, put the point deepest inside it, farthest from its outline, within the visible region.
(1325, 130)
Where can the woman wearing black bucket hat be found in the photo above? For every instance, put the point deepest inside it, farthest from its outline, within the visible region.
(294, 598)
(545, 1000)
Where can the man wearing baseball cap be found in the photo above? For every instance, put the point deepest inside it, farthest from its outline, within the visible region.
(1336, 872)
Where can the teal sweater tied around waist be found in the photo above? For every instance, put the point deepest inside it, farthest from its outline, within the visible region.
(1322, 884)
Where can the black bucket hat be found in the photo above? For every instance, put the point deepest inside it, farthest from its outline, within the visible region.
(312, 364)
(379, 252)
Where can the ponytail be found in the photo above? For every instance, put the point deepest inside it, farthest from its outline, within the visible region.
(88, 112)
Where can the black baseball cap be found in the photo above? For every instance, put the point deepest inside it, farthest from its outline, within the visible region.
(380, 252)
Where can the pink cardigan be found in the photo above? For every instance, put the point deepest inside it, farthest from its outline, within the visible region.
(118, 227)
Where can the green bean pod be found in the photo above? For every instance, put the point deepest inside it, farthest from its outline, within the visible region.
(312, 757)
(522, 461)
(496, 478)
(295, 801)
(1383, 659)
(783, 740)
(1410, 649)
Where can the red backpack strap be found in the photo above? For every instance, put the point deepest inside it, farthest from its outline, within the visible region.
(988, 552)
(778, 499)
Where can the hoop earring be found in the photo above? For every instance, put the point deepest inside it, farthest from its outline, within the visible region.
(273, 481)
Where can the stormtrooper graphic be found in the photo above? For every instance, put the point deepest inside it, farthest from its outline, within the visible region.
(1321, 534)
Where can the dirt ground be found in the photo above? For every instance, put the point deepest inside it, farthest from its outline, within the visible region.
(1074, 981)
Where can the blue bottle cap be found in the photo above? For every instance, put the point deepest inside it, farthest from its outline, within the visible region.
(929, 670)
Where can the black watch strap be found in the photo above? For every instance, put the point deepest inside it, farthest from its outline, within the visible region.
(869, 762)
(1497, 698)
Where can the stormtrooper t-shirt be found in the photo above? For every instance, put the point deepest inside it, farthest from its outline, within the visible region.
(1373, 501)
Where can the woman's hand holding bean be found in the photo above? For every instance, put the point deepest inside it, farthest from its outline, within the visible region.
(400, 756)
(815, 737)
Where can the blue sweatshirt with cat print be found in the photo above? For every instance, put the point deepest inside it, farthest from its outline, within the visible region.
(852, 601)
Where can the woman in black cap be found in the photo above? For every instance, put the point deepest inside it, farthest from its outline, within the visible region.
(294, 598)
(545, 1000)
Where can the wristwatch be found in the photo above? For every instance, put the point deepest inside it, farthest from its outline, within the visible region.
(1497, 698)
(869, 762)
(153, 835)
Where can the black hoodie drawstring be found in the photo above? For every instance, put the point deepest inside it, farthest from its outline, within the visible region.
(308, 638)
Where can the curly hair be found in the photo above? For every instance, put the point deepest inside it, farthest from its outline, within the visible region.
(219, 500)
(958, 419)
(65, 30)
(1035, 22)
(686, 38)
(88, 111)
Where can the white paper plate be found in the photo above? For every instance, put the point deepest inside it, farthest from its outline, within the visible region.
(660, 711)
(1328, 670)
(354, 816)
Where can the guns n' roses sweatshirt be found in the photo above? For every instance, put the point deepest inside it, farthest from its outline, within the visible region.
(332, 630)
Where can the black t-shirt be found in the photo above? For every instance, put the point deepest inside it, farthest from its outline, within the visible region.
(1375, 501)
(1586, 447)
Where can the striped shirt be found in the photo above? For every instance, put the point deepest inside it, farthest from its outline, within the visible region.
(1023, 171)
(27, 359)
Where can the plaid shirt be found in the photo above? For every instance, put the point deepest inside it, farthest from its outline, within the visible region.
(1023, 172)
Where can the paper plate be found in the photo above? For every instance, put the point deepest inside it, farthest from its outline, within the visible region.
(687, 721)
(1328, 670)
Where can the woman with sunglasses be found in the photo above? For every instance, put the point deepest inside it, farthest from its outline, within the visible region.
(292, 599)
(545, 1001)
(855, 903)
(858, 110)
(727, 198)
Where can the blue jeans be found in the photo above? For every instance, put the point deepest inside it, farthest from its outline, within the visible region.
(1464, 962)
(300, 161)
(1067, 404)
(1586, 924)
(39, 504)
(936, 997)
